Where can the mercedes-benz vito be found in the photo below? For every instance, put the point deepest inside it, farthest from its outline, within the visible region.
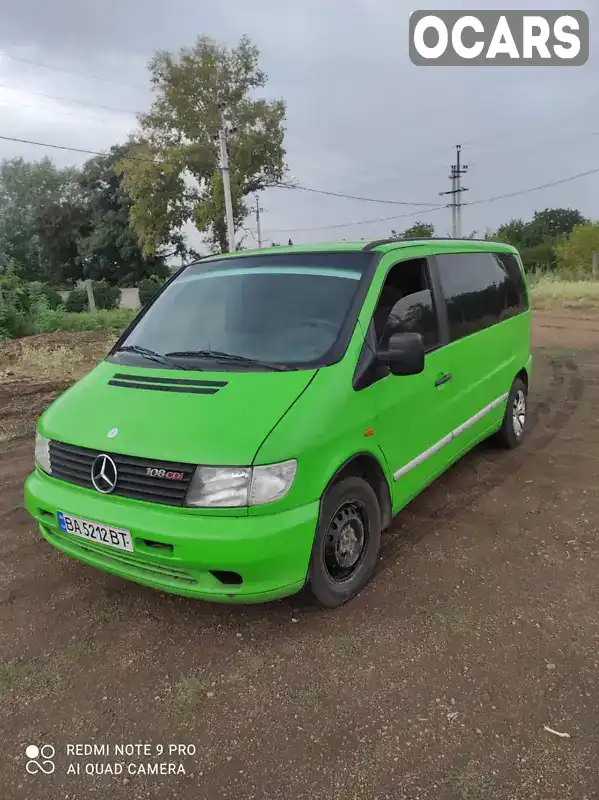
(268, 413)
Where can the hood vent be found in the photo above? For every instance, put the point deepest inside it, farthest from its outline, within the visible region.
(152, 383)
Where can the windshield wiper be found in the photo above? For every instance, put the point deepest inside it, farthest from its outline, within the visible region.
(151, 355)
(218, 355)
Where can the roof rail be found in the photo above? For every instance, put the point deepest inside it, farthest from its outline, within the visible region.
(379, 242)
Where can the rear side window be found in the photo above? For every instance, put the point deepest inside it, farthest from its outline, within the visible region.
(479, 290)
(517, 299)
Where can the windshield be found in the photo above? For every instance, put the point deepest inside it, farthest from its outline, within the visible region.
(279, 310)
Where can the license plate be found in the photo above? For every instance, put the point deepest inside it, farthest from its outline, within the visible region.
(95, 532)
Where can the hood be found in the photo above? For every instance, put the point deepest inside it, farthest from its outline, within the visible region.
(214, 418)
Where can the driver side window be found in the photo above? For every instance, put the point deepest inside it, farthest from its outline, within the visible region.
(406, 304)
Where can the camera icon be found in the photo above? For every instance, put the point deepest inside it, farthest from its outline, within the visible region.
(40, 759)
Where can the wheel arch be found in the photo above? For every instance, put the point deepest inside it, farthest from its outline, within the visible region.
(365, 465)
(524, 376)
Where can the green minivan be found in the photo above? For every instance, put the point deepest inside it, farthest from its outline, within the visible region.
(325, 387)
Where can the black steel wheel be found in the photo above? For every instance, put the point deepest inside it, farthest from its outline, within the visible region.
(346, 544)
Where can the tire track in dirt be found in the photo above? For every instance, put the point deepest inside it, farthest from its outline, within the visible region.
(565, 376)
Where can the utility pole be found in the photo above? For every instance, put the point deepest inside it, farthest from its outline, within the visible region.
(224, 167)
(455, 176)
(258, 228)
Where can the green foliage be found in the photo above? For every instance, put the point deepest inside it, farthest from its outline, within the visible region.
(148, 288)
(106, 297)
(574, 256)
(111, 248)
(20, 304)
(548, 226)
(540, 258)
(52, 321)
(52, 296)
(420, 230)
(25, 187)
(179, 137)
(27, 308)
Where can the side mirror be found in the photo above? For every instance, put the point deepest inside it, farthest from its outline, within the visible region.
(404, 354)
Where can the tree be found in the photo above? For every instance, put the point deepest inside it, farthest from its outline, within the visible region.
(549, 225)
(574, 256)
(172, 168)
(110, 247)
(60, 227)
(25, 189)
(512, 232)
(552, 224)
(541, 257)
(420, 230)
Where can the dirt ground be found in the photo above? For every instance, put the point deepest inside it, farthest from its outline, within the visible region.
(480, 628)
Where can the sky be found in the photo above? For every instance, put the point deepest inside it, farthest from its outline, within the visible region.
(361, 118)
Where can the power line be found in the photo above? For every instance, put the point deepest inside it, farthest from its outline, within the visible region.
(70, 71)
(350, 224)
(69, 101)
(53, 146)
(343, 224)
(535, 188)
(472, 203)
(72, 112)
(349, 196)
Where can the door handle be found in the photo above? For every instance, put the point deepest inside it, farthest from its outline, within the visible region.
(443, 379)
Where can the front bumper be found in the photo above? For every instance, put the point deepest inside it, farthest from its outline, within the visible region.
(179, 550)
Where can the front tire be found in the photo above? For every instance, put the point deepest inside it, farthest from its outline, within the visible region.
(512, 430)
(346, 544)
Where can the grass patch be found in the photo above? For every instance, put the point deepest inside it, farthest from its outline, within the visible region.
(43, 677)
(54, 321)
(58, 362)
(11, 673)
(549, 292)
(45, 362)
(190, 691)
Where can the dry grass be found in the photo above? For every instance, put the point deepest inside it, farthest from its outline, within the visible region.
(548, 293)
(8, 431)
(68, 359)
(46, 362)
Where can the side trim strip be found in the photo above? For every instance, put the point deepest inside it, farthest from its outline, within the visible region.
(415, 462)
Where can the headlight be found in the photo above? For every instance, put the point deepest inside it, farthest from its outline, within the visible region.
(271, 482)
(42, 453)
(219, 487)
(235, 487)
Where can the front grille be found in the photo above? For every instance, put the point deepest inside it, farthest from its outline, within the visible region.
(74, 464)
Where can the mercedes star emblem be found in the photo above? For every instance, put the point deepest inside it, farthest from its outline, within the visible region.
(104, 474)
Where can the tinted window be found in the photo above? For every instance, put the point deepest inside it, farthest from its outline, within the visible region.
(478, 291)
(282, 309)
(405, 304)
(517, 299)
(416, 314)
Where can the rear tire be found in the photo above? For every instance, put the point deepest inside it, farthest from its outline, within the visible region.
(346, 544)
(513, 428)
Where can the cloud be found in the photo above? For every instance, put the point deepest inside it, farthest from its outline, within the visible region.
(361, 119)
